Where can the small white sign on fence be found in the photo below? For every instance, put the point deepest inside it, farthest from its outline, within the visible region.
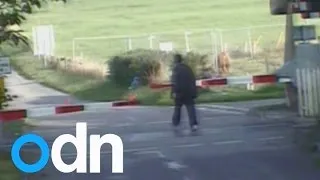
(166, 46)
(43, 40)
(5, 67)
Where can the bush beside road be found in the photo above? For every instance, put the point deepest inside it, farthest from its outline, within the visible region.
(88, 88)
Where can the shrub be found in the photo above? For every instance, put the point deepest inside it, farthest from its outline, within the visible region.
(150, 64)
(199, 63)
(122, 68)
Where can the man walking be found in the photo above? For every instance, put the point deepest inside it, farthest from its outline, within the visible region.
(183, 92)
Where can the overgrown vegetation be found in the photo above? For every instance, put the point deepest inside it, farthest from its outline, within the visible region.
(88, 88)
(152, 65)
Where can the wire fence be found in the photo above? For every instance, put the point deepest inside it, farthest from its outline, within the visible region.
(244, 42)
(252, 50)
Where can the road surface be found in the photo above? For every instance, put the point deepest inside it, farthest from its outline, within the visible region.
(231, 146)
(32, 94)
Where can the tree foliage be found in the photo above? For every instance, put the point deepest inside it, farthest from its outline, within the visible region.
(12, 15)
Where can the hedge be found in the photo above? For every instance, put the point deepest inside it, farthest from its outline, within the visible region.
(152, 63)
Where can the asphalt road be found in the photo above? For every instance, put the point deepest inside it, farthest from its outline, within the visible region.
(33, 94)
(230, 146)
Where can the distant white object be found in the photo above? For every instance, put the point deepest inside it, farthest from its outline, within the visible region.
(166, 46)
(5, 67)
(43, 40)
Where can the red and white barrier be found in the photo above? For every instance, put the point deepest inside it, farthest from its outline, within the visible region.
(259, 79)
(19, 114)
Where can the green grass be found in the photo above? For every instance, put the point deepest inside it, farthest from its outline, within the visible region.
(111, 18)
(83, 18)
(91, 89)
(7, 170)
(150, 97)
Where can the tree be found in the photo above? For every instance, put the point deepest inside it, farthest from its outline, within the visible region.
(12, 15)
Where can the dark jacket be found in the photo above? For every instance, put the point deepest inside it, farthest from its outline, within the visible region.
(183, 82)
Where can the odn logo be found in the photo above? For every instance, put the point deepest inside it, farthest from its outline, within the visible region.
(80, 143)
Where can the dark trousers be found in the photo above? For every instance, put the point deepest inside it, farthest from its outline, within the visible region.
(190, 106)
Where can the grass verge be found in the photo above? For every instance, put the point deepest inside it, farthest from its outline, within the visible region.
(7, 169)
(88, 88)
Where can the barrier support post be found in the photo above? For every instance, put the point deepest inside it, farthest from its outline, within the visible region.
(288, 56)
(2, 99)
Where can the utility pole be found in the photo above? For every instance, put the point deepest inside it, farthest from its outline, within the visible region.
(289, 51)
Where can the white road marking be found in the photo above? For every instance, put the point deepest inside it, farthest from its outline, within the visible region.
(175, 165)
(158, 153)
(225, 107)
(271, 138)
(158, 122)
(188, 145)
(228, 142)
(121, 125)
(221, 110)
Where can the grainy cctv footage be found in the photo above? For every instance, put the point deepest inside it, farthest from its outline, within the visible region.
(159, 90)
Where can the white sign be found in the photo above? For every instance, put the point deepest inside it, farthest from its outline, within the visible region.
(43, 40)
(166, 46)
(5, 66)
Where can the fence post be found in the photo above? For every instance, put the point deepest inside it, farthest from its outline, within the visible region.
(314, 92)
(214, 49)
(186, 37)
(310, 92)
(129, 44)
(73, 49)
(221, 41)
(151, 37)
(250, 42)
(304, 91)
(300, 94)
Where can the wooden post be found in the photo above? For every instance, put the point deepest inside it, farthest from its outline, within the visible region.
(289, 51)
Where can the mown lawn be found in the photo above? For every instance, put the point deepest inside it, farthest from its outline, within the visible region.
(167, 20)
